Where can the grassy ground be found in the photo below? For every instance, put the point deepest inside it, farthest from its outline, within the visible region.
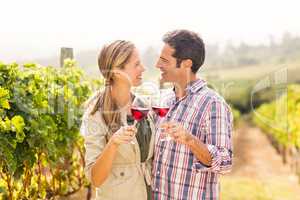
(245, 188)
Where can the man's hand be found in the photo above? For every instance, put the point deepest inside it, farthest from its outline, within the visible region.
(177, 132)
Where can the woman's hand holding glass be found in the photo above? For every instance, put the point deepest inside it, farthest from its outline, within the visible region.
(124, 135)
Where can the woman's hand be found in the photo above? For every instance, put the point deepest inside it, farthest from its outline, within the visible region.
(102, 167)
(124, 135)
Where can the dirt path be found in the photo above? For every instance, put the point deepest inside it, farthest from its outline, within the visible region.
(256, 160)
(255, 156)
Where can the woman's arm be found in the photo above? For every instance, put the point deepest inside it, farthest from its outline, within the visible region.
(101, 169)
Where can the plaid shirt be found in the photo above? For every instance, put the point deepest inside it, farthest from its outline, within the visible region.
(177, 174)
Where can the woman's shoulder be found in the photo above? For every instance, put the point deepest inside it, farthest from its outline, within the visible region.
(92, 100)
(90, 104)
(93, 119)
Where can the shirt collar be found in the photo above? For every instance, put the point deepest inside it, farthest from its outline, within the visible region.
(194, 86)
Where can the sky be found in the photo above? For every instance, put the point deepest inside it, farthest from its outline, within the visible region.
(32, 29)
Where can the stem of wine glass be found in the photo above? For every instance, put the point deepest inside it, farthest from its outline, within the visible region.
(134, 124)
(167, 137)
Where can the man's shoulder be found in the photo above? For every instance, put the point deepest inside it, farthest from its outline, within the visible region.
(212, 96)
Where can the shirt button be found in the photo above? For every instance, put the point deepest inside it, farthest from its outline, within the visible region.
(122, 174)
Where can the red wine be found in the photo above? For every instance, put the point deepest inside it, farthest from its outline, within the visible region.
(139, 113)
(160, 111)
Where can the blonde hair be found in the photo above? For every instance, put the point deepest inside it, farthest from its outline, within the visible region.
(113, 56)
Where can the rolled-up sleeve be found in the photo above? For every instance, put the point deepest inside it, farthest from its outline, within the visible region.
(218, 127)
(94, 134)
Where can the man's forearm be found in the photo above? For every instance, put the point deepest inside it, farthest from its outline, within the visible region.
(200, 150)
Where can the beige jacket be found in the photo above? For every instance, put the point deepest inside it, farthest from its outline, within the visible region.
(128, 175)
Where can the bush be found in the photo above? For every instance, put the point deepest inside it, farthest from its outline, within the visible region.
(41, 150)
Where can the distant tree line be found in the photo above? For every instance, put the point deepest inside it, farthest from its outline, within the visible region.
(285, 51)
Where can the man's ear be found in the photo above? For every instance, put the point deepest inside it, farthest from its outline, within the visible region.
(187, 63)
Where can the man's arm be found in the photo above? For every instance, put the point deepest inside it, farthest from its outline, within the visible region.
(200, 150)
(216, 154)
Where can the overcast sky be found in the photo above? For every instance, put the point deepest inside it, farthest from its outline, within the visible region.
(38, 28)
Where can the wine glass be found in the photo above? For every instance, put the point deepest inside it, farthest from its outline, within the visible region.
(160, 106)
(139, 109)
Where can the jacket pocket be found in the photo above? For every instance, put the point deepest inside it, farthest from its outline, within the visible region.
(122, 174)
(129, 183)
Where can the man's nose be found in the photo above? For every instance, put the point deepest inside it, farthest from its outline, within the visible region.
(143, 68)
(157, 65)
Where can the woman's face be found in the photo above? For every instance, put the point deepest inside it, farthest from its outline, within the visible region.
(134, 69)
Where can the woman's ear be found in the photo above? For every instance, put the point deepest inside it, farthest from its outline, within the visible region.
(116, 74)
(120, 75)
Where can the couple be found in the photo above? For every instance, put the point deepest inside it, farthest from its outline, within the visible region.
(133, 162)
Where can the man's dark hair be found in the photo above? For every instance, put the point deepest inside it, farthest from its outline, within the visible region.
(187, 45)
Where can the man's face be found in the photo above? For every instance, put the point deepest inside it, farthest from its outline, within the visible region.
(167, 65)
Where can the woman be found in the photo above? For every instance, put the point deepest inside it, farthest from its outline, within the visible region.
(118, 156)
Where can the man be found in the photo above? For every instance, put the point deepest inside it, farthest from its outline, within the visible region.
(199, 122)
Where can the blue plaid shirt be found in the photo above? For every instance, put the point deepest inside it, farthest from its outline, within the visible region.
(177, 174)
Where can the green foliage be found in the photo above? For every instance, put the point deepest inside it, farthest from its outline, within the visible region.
(41, 150)
(236, 115)
(236, 93)
(281, 118)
